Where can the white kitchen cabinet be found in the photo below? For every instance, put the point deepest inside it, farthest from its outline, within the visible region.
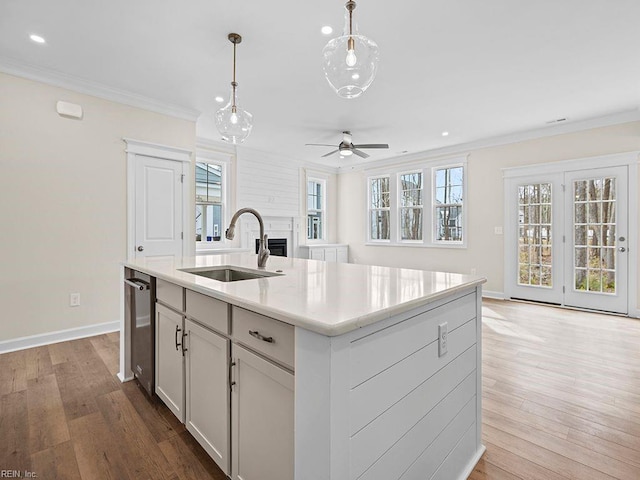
(328, 252)
(169, 359)
(262, 410)
(207, 391)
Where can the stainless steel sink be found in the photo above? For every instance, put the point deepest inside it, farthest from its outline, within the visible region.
(230, 274)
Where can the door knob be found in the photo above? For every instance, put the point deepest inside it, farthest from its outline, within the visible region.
(140, 248)
(622, 249)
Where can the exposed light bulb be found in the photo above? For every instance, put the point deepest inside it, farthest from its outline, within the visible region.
(351, 58)
(234, 118)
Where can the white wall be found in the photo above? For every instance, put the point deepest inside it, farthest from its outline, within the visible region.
(63, 204)
(276, 187)
(484, 204)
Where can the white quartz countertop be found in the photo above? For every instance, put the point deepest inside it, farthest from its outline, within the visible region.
(324, 297)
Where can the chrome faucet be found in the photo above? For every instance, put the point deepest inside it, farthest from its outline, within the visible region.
(263, 251)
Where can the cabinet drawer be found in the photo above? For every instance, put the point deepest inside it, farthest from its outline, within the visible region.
(170, 294)
(208, 311)
(281, 335)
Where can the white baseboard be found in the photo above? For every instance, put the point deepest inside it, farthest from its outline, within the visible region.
(59, 336)
(494, 295)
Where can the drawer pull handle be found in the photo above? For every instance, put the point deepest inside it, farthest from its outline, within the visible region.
(257, 335)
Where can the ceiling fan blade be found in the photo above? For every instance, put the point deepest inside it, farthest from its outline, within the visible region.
(330, 153)
(359, 153)
(319, 145)
(373, 145)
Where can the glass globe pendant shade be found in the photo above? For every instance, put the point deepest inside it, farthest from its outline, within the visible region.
(233, 123)
(350, 62)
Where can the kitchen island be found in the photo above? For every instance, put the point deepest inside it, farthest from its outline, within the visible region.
(368, 372)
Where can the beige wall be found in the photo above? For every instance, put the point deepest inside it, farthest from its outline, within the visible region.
(63, 204)
(485, 205)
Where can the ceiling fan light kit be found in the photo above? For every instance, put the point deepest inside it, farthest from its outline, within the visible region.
(233, 123)
(350, 62)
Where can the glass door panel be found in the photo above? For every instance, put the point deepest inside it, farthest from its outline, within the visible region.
(535, 269)
(596, 213)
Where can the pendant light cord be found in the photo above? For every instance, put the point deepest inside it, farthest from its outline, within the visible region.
(234, 84)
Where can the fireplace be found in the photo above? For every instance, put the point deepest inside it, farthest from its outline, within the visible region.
(277, 246)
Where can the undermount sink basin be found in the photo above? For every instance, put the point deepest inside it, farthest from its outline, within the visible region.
(230, 274)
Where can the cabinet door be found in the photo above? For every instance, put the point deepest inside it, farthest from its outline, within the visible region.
(316, 253)
(262, 419)
(330, 255)
(207, 382)
(343, 255)
(169, 360)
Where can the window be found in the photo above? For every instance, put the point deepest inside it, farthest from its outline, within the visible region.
(411, 206)
(315, 209)
(379, 208)
(422, 206)
(448, 204)
(209, 202)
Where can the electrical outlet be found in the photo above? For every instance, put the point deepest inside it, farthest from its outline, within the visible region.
(497, 230)
(74, 299)
(473, 271)
(443, 337)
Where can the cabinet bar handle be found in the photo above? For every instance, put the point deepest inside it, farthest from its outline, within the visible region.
(231, 381)
(178, 345)
(184, 335)
(257, 335)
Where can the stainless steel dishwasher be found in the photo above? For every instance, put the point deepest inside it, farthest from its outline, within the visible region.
(139, 297)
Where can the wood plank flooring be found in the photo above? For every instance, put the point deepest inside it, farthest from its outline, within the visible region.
(65, 415)
(561, 400)
(561, 394)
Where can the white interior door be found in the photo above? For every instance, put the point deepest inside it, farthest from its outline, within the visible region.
(566, 238)
(158, 207)
(596, 252)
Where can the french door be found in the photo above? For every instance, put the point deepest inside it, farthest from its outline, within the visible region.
(566, 238)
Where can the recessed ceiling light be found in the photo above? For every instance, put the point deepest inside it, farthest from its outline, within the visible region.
(445, 134)
(36, 38)
(355, 76)
(219, 99)
(326, 30)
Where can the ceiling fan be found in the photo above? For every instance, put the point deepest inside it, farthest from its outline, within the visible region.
(346, 147)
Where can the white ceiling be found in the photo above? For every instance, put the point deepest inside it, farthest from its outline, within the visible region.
(474, 69)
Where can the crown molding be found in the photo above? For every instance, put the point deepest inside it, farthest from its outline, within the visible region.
(80, 85)
(465, 148)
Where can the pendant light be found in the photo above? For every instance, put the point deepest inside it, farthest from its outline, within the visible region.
(350, 62)
(234, 123)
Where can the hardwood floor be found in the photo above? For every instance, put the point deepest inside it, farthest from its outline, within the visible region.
(561, 394)
(561, 399)
(65, 415)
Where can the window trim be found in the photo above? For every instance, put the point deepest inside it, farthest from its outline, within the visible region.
(434, 206)
(400, 207)
(427, 168)
(380, 241)
(322, 181)
(223, 160)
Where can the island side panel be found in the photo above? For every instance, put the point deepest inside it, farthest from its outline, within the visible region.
(431, 401)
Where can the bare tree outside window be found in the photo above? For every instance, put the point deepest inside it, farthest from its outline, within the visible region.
(594, 223)
(411, 206)
(379, 209)
(535, 251)
(449, 188)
